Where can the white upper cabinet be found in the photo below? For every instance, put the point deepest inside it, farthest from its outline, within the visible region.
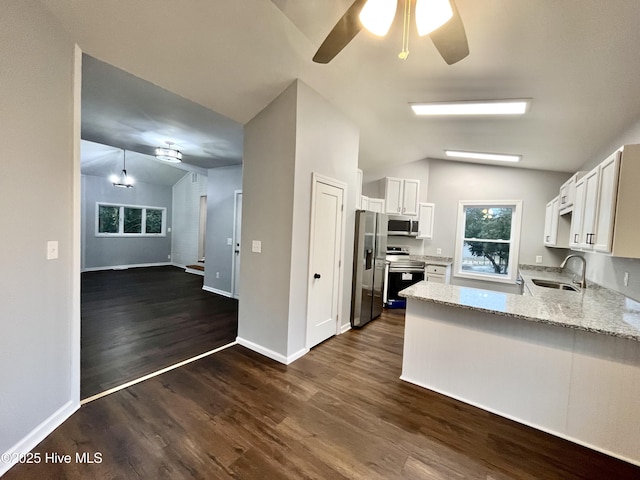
(589, 209)
(359, 191)
(551, 222)
(425, 220)
(568, 194)
(607, 193)
(401, 196)
(376, 205)
(605, 213)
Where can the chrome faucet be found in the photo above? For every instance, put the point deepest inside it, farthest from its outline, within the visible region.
(583, 279)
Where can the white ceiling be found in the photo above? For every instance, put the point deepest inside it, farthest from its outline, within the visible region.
(577, 59)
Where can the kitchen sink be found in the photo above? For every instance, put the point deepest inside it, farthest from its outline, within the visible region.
(557, 285)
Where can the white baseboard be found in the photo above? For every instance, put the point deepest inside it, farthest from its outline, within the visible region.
(345, 328)
(194, 272)
(125, 267)
(278, 357)
(217, 292)
(38, 434)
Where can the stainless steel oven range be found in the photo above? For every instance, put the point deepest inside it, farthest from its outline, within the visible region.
(401, 273)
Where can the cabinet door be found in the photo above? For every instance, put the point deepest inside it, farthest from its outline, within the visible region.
(410, 197)
(376, 205)
(425, 220)
(587, 234)
(607, 195)
(577, 217)
(359, 191)
(565, 200)
(548, 216)
(393, 195)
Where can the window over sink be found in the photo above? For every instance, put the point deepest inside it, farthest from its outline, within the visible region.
(488, 240)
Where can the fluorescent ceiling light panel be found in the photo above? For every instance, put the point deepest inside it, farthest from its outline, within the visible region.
(483, 107)
(499, 157)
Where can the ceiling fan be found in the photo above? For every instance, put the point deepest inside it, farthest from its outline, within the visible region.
(438, 18)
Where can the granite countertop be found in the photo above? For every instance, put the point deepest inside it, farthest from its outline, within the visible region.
(431, 260)
(594, 309)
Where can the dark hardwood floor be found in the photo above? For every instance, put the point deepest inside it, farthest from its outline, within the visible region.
(339, 412)
(138, 321)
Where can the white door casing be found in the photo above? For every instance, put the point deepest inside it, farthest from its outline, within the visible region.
(237, 229)
(325, 258)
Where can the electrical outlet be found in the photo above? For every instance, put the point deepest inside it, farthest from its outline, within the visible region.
(169, 257)
(438, 251)
(256, 246)
(52, 250)
(217, 274)
(626, 279)
(169, 229)
(229, 241)
(538, 258)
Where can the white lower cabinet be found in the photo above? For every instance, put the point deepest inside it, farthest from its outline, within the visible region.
(437, 273)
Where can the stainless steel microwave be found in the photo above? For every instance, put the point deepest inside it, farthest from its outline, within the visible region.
(402, 226)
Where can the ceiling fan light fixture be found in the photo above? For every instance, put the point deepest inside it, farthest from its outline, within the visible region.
(377, 15)
(169, 154)
(482, 107)
(497, 157)
(431, 15)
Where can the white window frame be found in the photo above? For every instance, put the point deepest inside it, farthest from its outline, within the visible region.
(514, 241)
(121, 233)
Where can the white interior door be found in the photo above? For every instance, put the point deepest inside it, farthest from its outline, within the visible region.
(237, 230)
(326, 251)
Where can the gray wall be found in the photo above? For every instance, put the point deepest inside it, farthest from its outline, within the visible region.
(267, 190)
(221, 185)
(98, 252)
(448, 182)
(297, 134)
(36, 188)
(186, 218)
(603, 269)
(326, 143)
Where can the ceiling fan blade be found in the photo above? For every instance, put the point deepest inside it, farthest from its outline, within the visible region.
(347, 27)
(450, 39)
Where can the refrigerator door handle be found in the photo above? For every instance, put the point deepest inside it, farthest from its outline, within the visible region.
(369, 260)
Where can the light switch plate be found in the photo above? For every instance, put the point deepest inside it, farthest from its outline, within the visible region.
(229, 241)
(538, 258)
(438, 251)
(52, 250)
(256, 246)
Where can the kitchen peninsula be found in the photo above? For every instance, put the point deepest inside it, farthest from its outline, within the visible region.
(564, 362)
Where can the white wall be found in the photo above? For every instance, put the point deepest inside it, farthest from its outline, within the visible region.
(36, 194)
(222, 184)
(186, 218)
(297, 134)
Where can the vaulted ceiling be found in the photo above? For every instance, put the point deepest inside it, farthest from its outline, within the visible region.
(578, 60)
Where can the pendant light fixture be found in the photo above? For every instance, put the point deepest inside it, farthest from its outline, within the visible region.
(169, 154)
(122, 181)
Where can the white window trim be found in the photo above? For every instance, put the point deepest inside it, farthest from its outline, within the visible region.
(121, 233)
(514, 251)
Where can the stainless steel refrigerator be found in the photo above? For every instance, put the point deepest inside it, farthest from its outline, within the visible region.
(369, 259)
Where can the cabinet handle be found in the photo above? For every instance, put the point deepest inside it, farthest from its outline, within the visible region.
(547, 238)
(592, 241)
(575, 238)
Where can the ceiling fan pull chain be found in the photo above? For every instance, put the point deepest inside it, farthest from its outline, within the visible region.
(405, 30)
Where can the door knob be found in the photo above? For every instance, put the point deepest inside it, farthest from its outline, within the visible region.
(316, 275)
